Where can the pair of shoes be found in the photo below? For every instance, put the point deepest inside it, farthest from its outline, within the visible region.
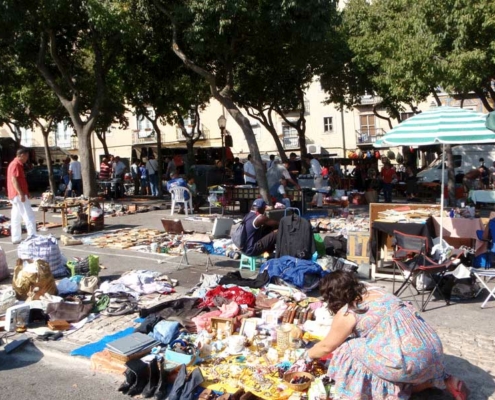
(17, 242)
(49, 336)
(457, 388)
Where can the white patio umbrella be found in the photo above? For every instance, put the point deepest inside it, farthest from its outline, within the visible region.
(442, 125)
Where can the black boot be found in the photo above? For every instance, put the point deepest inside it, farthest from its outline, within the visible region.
(130, 379)
(141, 370)
(161, 390)
(154, 374)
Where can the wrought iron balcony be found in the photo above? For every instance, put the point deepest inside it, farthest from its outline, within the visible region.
(143, 136)
(291, 142)
(370, 100)
(205, 134)
(368, 136)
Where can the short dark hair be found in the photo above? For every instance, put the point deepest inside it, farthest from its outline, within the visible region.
(293, 155)
(341, 288)
(22, 151)
(74, 157)
(272, 156)
(309, 155)
(236, 159)
(249, 156)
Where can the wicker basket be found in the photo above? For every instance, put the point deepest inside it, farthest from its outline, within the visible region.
(283, 336)
(300, 387)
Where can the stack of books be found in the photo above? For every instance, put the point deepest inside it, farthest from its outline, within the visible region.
(132, 344)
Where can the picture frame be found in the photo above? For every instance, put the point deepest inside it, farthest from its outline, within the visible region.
(249, 327)
(222, 324)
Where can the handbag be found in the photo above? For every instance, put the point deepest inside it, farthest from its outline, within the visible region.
(69, 311)
(88, 284)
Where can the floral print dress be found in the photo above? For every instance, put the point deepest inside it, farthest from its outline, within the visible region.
(392, 349)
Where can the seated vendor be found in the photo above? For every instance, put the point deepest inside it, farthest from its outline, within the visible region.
(382, 348)
(177, 181)
(261, 231)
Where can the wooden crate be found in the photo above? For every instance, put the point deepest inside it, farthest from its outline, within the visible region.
(358, 247)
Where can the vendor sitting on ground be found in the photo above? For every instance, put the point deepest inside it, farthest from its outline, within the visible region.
(176, 181)
(261, 231)
(382, 348)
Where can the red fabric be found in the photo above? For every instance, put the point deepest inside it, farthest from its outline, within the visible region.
(16, 168)
(388, 174)
(234, 293)
(105, 171)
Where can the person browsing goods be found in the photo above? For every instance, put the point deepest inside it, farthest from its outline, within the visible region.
(317, 177)
(75, 175)
(18, 193)
(249, 172)
(261, 231)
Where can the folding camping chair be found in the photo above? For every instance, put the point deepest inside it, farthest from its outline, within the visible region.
(484, 275)
(406, 247)
(421, 264)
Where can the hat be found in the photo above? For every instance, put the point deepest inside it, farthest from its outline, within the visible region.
(259, 203)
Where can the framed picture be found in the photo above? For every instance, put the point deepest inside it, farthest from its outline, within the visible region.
(222, 324)
(270, 317)
(248, 327)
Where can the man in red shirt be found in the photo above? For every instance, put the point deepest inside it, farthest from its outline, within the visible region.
(388, 176)
(17, 190)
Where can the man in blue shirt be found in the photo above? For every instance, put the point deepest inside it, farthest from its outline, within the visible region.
(177, 181)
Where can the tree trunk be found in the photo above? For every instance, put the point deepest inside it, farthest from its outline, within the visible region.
(159, 157)
(48, 156)
(88, 171)
(254, 150)
(103, 140)
(278, 143)
(450, 175)
(190, 154)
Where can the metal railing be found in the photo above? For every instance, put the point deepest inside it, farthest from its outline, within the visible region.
(205, 134)
(290, 142)
(368, 136)
(143, 136)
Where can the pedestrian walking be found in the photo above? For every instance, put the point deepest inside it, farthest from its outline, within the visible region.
(152, 167)
(18, 192)
(135, 175)
(75, 175)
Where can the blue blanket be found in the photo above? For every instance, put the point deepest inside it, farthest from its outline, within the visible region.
(294, 270)
(89, 349)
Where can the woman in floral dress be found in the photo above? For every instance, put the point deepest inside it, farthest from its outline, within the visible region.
(382, 348)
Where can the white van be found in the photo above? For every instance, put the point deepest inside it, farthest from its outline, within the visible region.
(465, 158)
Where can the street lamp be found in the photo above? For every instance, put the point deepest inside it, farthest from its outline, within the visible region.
(222, 123)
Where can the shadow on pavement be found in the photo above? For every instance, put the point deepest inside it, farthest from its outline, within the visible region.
(23, 356)
(227, 263)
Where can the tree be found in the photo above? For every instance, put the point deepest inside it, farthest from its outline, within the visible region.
(157, 84)
(73, 44)
(215, 37)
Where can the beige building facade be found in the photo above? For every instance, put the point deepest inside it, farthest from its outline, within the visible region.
(328, 130)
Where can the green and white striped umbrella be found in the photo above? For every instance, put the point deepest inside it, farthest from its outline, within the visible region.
(442, 125)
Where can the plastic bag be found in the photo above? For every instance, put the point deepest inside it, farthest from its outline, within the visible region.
(32, 279)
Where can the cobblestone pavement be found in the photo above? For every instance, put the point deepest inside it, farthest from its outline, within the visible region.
(467, 331)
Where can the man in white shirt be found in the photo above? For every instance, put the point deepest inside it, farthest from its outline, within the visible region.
(119, 174)
(250, 173)
(317, 177)
(152, 167)
(75, 175)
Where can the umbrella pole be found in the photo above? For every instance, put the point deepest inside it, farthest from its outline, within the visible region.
(442, 188)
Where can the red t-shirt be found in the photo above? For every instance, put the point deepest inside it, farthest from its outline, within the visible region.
(388, 175)
(16, 168)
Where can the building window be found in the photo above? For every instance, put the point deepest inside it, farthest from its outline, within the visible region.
(406, 115)
(256, 130)
(328, 124)
(63, 135)
(368, 125)
(290, 137)
(144, 125)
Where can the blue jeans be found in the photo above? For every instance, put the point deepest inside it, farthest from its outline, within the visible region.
(387, 192)
(154, 184)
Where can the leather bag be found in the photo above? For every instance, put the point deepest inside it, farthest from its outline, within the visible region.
(69, 311)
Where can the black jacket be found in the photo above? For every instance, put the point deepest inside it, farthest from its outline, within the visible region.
(295, 238)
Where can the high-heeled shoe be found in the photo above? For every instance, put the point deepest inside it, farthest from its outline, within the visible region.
(457, 388)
